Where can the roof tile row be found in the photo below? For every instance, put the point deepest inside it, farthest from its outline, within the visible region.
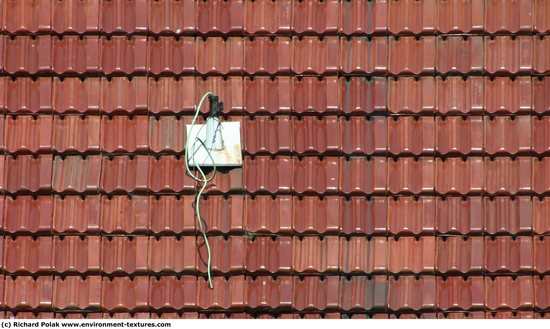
(282, 95)
(168, 215)
(249, 17)
(264, 255)
(91, 55)
(330, 293)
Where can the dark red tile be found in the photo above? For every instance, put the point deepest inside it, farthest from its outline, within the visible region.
(25, 214)
(268, 17)
(75, 174)
(229, 90)
(360, 176)
(363, 216)
(312, 215)
(542, 290)
(220, 17)
(76, 293)
(268, 256)
(223, 215)
(267, 292)
(265, 135)
(504, 95)
(316, 17)
(508, 215)
(172, 17)
(172, 293)
(508, 293)
(75, 134)
(541, 254)
(226, 181)
(363, 136)
(77, 255)
(28, 293)
(126, 16)
(167, 133)
(460, 255)
(457, 293)
(169, 56)
(264, 214)
(358, 255)
(78, 18)
(455, 176)
(407, 215)
(170, 254)
(541, 215)
(508, 136)
(124, 174)
(73, 214)
(72, 95)
(227, 255)
(27, 255)
(25, 95)
(313, 135)
(313, 56)
(26, 17)
(410, 255)
(541, 135)
(168, 174)
(311, 94)
(27, 134)
(124, 134)
(541, 17)
(411, 96)
(509, 16)
(314, 254)
(75, 55)
(169, 214)
(411, 176)
(471, 19)
(459, 136)
(455, 215)
(267, 175)
(541, 57)
(362, 95)
(312, 175)
(360, 55)
(458, 55)
(314, 293)
(541, 177)
(125, 214)
(124, 95)
(408, 17)
(125, 294)
(359, 293)
(124, 255)
(264, 95)
(265, 56)
(541, 97)
(168, 95)
(422, 54)
(28, 173)
(503, 254)
(226, 294)
(122, 55)
(507, 56)
(409, 293)
(208, 60)
(360, 17)
(506, 176)
(456, 95)
(411, 136)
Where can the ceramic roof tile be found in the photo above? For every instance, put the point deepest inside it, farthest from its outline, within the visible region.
(503, 254)
(315, 56)
(455, 215)
(76, 255)
(265, 135)
(223, 214)
(73, 55)
(120, 55)
(169, 214)
(168, 56)
(27, 134)
(125, 294)
(167, 174)
(408, 95)
(509, 16)
(264, 95)
(315, 135)
(541, 179)
(456, 293)
(360, 176)
(28, 293)
(456, 95)
(459, 136)
(362, 293)
(410, 216)
(312, 175)
(121, 94)
(412, 17)
(264, 214)
(79, 17)
(541, 135)
(363, 216)
(504, 215)
(124, 255)
(264, 174)
(228, 255)
(26, 17)
(73, 95)
(75, 134)
(410, 255)
(508, 96)
(269, 256)
(268, 17)
(26, 95)
(358, 255)
(27, 255)
(316, 17)
(168, 95)
(411, 136)
(77, 293)
(169, 254)
(172, 293)
(460, 255)
(506, 176)
(25, 214)
(422, 57)
(124, 174)
(124, 16)
(458, 55)
(363, 95)
(508, 293)
(459, 177)
(409, 293)
(230, 90)
(541, 288)
(542, 59)
(360, 136)
(360, 17)
(541, 209)
(226, 181)
(314, 293)
(411, 176)
(210, 62)
(313, 215)
(28, 173)
(360, 55)
(471, 19)
(125, 214)
(75, 174)
(172, 17)
(315, 254)
(73, 214)
(220, 17)
(227, 294)
(264, 56)
(267, 292)
(507, 56)
(541, 98)
(310, 94)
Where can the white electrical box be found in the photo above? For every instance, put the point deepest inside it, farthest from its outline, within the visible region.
(226, 152)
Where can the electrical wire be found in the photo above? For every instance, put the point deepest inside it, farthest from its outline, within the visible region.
(202, 179)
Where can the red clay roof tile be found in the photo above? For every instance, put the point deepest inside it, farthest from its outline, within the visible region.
(508, 293)
(27, 17)
(264, 17)
(507, 56)
(75, 174)
(508, 215)
(223, 214)
(168, 56)
(75, 134)
(455, 215)
(124, 95)
(79, 17)
(458, 55)
(76, 293)
(172, 293)
(267, 292)
(25, 95)
(269, 256)
(73, 55)
(509, 16)
(172, 17)
(362, 136)
(266, 175)
(542, 59)
(421, 59)
(169, 214)
(506, 176)
(72, 95)
(125, 214)
(358, 255)
(28, 293)
(411, 255)
(409, 293)
(362, 95)
(315, 56)
(316, 17)
(26, 173)
(28, 255)
(408, 17)
(411, 216)
(125, 294)
(314, 293)
(459, 136)
(360, 176)
(407, 95)
(265, 214)
(25, 214)
(169, 254)
(124, 254)
(263, 55)
(76, 255)
(167, 174)
(74, 214)
(208, 58)
(360, 55)
(227, 294)
(312, 215)
(360, 17)
(124, 16)
(460, 255)
(315, 254)
(27, 134)
(122, 55)
(470, 20)
(220, 17)
(503, 254)
(230, 90)
(456, 95)
(360, 215)
(508, 96)
(411, 136)
(455, 176)
(456, 293)
(360, 293)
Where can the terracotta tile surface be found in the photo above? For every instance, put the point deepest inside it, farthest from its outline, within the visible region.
(395, 159)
